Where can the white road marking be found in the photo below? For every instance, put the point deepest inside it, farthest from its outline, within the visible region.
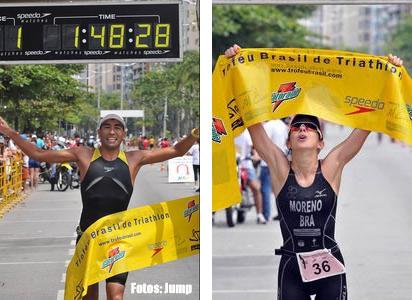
(63, 277)
(244, 255)
(49, 209)
(37, 238)
(73, 243)
(71, 251)
(38, 246)
(245, 267)
(37, 221)
(219, 233)
(30, 262)
(243, 291)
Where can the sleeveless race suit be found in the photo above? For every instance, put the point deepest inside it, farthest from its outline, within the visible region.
(307, 224)
(106, 189)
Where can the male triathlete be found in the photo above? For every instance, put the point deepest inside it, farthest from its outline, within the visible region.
(306, 190)
(107, 176)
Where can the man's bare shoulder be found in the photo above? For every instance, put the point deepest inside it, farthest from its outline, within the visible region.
(83, 151)
(134, 155)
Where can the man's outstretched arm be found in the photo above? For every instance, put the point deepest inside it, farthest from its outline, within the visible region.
(35, 153)
(159, 155)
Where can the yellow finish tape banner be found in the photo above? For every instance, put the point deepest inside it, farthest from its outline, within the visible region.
(134, 239)
(352, 89)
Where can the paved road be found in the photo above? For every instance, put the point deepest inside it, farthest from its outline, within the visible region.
(37, 242)
(373, 228)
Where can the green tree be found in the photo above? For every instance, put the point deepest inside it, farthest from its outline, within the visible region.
(259, 26)
(399, 42)
(178, 83)
(110, 100)
(39, 94)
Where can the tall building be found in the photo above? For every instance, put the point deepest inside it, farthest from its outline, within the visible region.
(190, 27)
(355, 27)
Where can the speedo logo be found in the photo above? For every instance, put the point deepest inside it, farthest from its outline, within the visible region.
(286, 91)
(108, 169)
(155, 52)
(157, 247)
(363, 105)
(95, 52)
(35, 15)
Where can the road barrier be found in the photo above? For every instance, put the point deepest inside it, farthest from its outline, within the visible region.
(10, 184)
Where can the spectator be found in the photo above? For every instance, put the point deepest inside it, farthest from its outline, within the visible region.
(5, 152)
(151, 142)
(39, 142)
(2, 148)
(146, 143)
(53, 180)
(140, 143)
(25, 172)
(26, 134)
(194, 151)
(164, 143)
(245, 146)
(34, 165)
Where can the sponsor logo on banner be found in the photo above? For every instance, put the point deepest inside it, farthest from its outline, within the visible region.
(114, 255)
(234, 113)
(409, 109)
(286, 91)
(192, 207)
(363, 105)
(79, 290)
(218, 129)
(195, 238)
(181, 245)
(157, 247)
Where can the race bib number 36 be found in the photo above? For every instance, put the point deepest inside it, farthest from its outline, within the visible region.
(318, 264)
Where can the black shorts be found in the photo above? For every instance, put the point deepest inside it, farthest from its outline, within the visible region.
(196, 171)
(34, 164)
(119, 278)
(291, 286)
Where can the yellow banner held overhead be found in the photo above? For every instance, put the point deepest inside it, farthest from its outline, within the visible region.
(134, 239)
(352, 89)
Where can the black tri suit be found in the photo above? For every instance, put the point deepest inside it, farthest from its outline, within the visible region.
(106, 189)
(307, 224)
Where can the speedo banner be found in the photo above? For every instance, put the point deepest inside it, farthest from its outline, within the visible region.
(352, 89)
(134, 239)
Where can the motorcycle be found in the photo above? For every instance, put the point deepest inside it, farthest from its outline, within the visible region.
(45, 172)
(75, 182)
(63, 176)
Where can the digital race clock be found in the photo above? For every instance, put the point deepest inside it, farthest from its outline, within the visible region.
(86, 33)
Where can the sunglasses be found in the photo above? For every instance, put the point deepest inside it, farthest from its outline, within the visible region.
(308, 125)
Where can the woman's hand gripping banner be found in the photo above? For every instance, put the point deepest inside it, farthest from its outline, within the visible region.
(134, 239)
(352, 89)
